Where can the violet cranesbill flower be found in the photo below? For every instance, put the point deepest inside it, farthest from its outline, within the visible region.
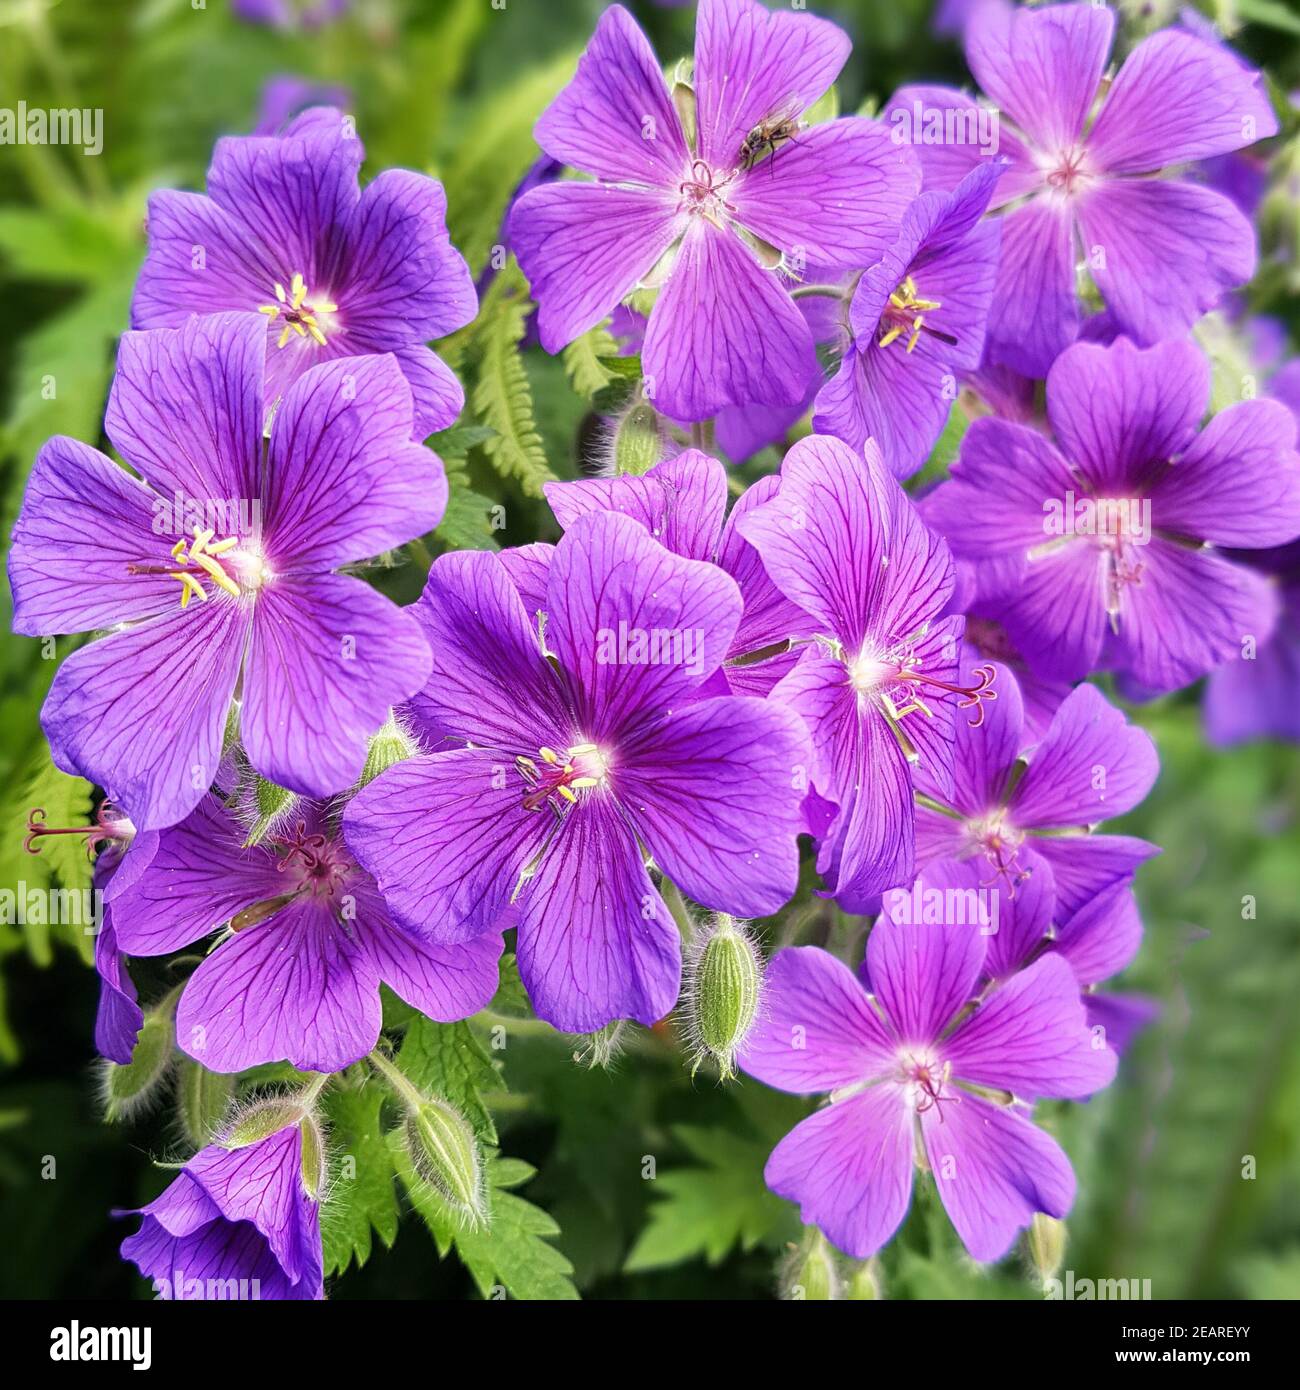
(583, 748)
(236, 1223)
(916, 1078)
(297, 978)
(1160, 250)
(916, 323)
(681, 502)
(291, 14)
(336, 271)
(247, 604)
(876, 686)
(1113, 530)
(1259, 696)
(1018, 810)
(716, 215)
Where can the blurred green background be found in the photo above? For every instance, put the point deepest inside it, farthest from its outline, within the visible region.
(452, 87)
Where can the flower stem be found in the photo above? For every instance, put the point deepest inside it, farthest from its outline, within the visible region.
(396, 1079)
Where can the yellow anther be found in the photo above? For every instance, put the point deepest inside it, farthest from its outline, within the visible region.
(566, 793)
(280, 294)
(178, 550)
(584, 782)
(299, 290)
(189, 586)
(220, 547)
(285, 333)
(890, 336)
(548, 755)
(582, 748)
(326, 308)
(916, 332)
(315, 332)
(215, 572)
(271, 310)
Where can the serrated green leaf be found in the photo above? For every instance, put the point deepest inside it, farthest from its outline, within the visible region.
(361, 1199)
(447, 1060)
(502, 398)
(708, 1211)
(61, 862)
(512, 1254)
(585, 361)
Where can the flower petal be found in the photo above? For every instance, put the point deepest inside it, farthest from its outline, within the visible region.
(816, 1030)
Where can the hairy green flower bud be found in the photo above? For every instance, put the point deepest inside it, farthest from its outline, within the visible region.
(863, 1284)
(445, 1154)
(130, 1089)
(202, 1099)
(809, 1273)
(638, 439)
(313, 1157)
(273, 805)
(392, 744)
(724, 979)
(262, 1119)
(1046, 1243)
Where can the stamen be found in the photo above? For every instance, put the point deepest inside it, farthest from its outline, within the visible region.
(905, 312)
(109, 825)
(300, 316)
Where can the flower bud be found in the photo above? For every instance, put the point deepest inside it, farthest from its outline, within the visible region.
(262, 1119)
(1046, 1241)
(445, 1154)
(313, 1157)
(638, 442)
(809, 1273)
(202, 1099)
(724, 979)
(863, 1283)
(392, 744)
(271, 805)
(130, 1089)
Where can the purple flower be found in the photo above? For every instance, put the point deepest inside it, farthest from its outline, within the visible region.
(710, 220)
(236, 1223)
(916, 322)
(1259, 697)
(583, 748)
(290, 14)
(1110, 533)
(1161, 251)
(311, 941)
(249, 601)
(1019, 813)
(337, 272)
(285, 98)
(915, 1078)
(876, 687)
(681, 503)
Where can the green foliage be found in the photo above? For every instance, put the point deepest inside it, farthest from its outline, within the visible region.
(587, 362)
(447, 1060)
(501, 397)
(512, 1254)
(361, 1197)
(708, 1210)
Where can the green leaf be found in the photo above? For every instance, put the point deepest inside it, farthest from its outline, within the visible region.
(61, 863)
(362, 1199)
(585, 361)
(707, 1211)
(493, 155)
(512, 1253)
(447, 1060)
(467, 522)
(502, 398)
(1270, 13)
